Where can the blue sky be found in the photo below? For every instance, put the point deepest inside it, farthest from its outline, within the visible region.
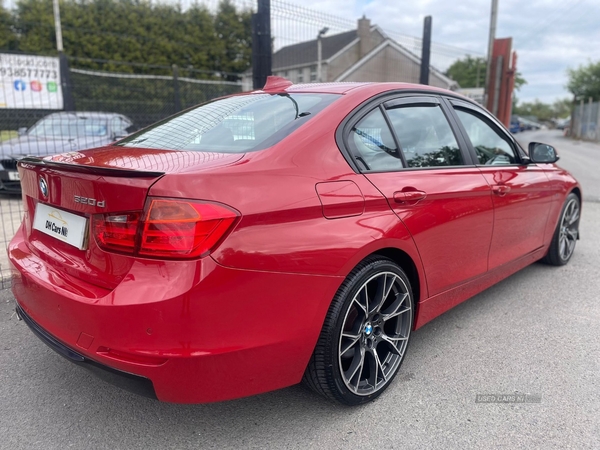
(548, 35)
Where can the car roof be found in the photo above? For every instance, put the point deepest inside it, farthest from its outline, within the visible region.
(85, 114)
(347, 87)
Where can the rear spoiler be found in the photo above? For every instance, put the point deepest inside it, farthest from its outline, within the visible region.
(29, 162)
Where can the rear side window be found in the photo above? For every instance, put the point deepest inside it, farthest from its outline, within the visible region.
(373, 143)
(425, 136)
(234, 124)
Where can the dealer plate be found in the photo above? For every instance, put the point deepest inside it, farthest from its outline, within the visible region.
(62, 225)
(13, 176)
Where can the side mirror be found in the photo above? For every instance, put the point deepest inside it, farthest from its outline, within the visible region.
(22, 131)
(117, 136)
(542, 153)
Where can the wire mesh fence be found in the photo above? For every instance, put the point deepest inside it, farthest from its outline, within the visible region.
(112, 97)
(108, 105)
(314, 47)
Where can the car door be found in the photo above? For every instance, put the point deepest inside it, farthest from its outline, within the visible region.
(522, 192)
(408, 150)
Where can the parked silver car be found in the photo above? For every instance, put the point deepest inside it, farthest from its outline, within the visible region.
(59, 133)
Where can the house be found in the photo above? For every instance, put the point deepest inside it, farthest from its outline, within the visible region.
(364, 54)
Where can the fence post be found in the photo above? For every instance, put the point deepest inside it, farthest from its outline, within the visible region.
(597, 111)
(425, 51)
(261, 44)
(65, 83)
(176, 94)
(589, 120)
(580, 124)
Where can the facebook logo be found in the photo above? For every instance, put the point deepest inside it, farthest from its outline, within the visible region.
(20, 85)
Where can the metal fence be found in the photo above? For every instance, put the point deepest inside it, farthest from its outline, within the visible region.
(585, 121)
(308, 46)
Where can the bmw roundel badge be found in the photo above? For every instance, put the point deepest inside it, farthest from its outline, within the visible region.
(43, 187)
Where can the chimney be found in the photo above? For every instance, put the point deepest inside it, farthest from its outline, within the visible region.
(364, 34)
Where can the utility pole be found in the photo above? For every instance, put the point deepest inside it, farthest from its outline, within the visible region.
(65, 79)
(57, 26)
(488, 75)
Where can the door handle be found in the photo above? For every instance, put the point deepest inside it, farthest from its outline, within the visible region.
(500, 189)
(409, 196)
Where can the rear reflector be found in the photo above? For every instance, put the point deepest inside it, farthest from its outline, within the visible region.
(131, 357)
(172, 229)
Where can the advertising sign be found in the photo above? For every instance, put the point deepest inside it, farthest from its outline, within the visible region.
(30, 82)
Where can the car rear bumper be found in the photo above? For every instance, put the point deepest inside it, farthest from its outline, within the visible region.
(197, 331)
(133, 383)
(7, 185)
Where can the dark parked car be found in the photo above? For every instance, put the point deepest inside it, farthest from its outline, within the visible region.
(293, 233)
(59, 133)
(515, 126)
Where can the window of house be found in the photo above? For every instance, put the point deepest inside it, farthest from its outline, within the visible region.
(491, 147)
(425, 136)
(313, 73)
(300, 75)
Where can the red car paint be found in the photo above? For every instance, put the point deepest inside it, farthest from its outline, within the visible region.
(245, 319)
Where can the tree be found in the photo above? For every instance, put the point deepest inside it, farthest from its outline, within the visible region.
(560, 109)
(233, 30)
(542, 111)
(584, 82)
(140, 31)
(8, 39)
(470, 72)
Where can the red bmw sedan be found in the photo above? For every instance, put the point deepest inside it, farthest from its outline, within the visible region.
(300, 232)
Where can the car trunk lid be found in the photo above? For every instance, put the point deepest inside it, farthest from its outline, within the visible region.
(63, 193)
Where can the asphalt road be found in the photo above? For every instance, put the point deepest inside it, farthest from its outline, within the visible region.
(580, 158)
(536, 333)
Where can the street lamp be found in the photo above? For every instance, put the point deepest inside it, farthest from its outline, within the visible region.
(319, 52)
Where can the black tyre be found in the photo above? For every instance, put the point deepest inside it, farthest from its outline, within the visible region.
(566, 233)
(365, 334)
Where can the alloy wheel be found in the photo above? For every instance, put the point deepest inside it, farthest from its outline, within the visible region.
(568, 229)
(375, 333)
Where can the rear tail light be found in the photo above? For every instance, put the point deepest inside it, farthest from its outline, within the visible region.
(174, 229)
(116, 231)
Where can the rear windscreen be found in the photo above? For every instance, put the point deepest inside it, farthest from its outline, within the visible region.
(234, 124)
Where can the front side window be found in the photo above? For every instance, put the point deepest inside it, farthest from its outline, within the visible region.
(234, 124)
(425, 136)
(372, 142)
(491, 147)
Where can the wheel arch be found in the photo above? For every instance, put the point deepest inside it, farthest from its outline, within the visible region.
(577, 191)
(409, 267)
